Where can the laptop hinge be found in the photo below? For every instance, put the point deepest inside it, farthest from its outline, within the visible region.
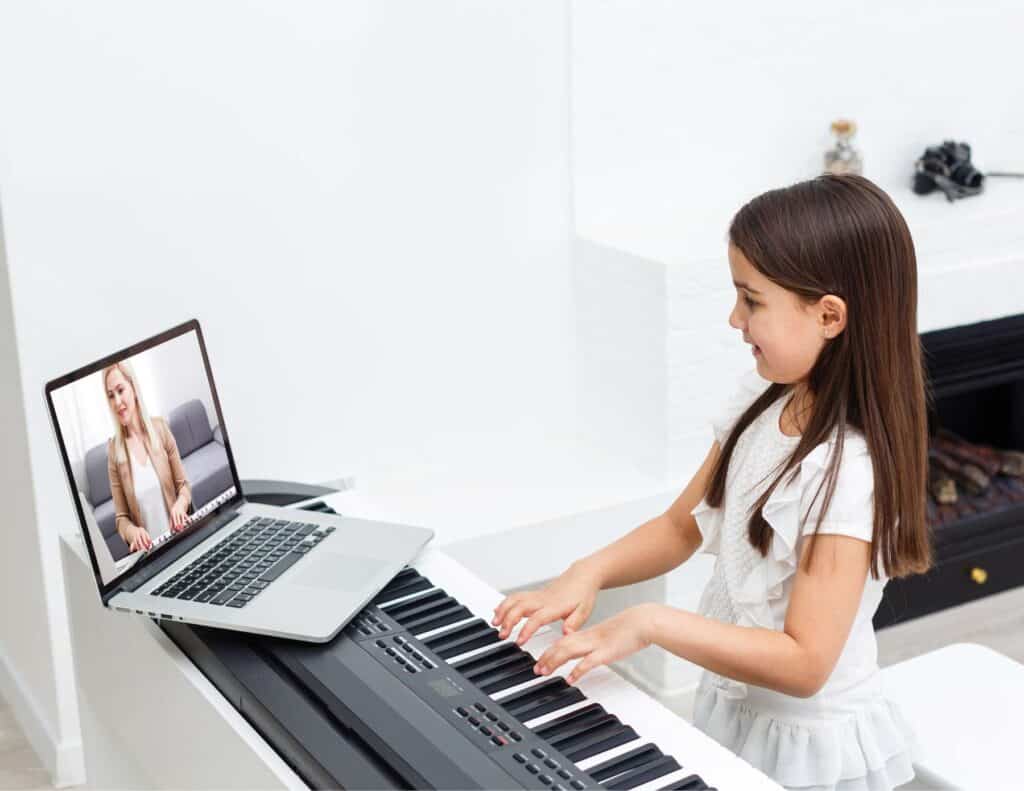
(173, 553)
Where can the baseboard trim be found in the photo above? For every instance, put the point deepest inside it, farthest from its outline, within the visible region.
(64, 758)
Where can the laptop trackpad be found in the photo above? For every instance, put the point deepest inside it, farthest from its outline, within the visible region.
(338, 572)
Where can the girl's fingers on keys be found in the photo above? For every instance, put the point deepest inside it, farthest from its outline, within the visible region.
(501, 609)
(535, 621)
(514, 616)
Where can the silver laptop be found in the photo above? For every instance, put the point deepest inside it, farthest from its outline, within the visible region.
(169, 532)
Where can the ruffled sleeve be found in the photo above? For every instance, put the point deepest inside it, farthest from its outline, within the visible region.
(852, 510)
(746, 390)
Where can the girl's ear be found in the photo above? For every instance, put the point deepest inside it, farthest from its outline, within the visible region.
(831, 316)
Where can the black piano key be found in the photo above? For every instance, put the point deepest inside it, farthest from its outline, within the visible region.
(477, 662)
(456, 612)
(541, 699)
(460, 639)
(506, 677)
(396, 610)
(484, 666)
(638, 756)
(598, 741)
(688, 783)
(400, 586)
(570, 723)
(422, 609)
(652, 770)
(576, 731)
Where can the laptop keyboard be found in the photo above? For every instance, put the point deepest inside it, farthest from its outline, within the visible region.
(236, 571)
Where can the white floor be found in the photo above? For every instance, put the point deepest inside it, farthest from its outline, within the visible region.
(996, 621)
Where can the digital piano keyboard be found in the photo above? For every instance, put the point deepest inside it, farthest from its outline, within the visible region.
(418, 691)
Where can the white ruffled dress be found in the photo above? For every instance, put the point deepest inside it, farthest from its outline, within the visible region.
(848, 736)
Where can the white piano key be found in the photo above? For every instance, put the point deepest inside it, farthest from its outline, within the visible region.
(614, 752)
(470, 654)
(497, 697)
(406, 597)
(544, 719)
(428, 634)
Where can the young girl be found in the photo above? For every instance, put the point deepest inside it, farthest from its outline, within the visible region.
(811, 497)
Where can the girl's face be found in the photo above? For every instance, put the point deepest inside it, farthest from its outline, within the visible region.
(120, 396)
(786, 334)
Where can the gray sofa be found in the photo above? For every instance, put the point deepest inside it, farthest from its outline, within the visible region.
(202, 454)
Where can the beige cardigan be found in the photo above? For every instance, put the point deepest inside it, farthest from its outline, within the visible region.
(169, 471)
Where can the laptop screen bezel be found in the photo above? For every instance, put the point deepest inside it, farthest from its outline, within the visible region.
(108, 588)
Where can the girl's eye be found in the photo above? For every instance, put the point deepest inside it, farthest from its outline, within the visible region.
(749, 301)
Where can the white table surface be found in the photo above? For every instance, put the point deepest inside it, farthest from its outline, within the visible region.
(966, 703)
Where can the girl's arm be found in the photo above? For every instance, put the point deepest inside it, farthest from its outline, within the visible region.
(796, 661)
(658, 545)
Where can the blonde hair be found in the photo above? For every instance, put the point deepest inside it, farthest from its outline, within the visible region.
(120, 448)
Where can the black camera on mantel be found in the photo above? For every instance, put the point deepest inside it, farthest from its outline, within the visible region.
(948, 167)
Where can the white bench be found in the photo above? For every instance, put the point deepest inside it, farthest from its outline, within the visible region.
(966, 704)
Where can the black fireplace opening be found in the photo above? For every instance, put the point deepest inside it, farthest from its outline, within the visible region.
(975, 499)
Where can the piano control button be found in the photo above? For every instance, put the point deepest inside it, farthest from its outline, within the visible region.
(391, 652)
(550, 764)
(408, 648)
(428, 665)
(557, 787)
(474, 721)
(381, 627)
(492, 716)
(503, 725)
(399, 639)
(381, 644)
(486, 731)
(544, 779)
(411, 669)
(532, 768)
(363, 630)
(497, 740)
(462, 711)
(520, 758)
(514, 736)
(417, 656)
(564, 774)
(539, 752)
(577, 785)
(480, 707)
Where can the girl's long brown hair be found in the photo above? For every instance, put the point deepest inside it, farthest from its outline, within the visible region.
(843, 235)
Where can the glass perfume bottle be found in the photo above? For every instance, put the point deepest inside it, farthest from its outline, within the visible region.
(843, 158)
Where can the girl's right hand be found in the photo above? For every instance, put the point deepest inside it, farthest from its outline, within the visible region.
(139, 539)
(570, 596)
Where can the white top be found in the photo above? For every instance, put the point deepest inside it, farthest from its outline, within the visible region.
(847, 736)
(150, 497)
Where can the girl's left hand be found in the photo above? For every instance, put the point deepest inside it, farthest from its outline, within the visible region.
(179, 517)
(609, 641)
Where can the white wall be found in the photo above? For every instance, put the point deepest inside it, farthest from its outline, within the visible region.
(683, 111)
(365, 204)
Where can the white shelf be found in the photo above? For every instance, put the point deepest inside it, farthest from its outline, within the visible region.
(986, 226)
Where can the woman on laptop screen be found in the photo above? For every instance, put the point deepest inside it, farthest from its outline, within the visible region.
(148, 485)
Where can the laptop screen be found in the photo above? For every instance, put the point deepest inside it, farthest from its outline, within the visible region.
(145, 447)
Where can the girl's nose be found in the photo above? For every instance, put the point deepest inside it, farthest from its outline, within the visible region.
(734, 319)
